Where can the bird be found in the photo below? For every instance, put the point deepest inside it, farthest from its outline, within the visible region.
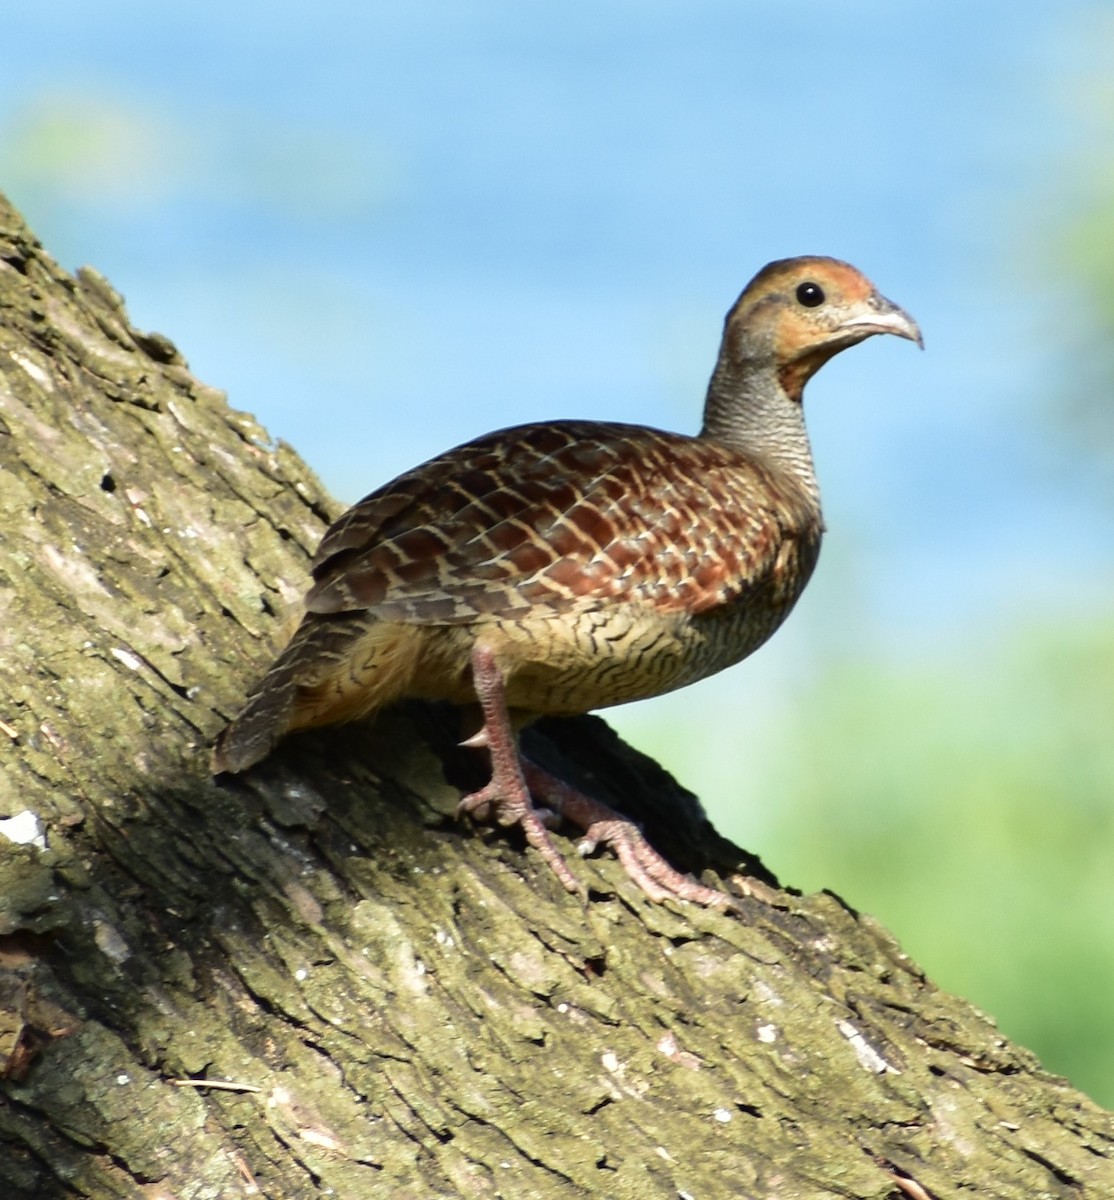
(560, 567)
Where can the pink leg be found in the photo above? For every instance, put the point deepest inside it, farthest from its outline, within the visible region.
(507, 800)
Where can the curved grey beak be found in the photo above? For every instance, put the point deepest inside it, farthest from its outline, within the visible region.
(886, 317)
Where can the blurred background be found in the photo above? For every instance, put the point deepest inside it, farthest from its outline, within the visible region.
(385, 228)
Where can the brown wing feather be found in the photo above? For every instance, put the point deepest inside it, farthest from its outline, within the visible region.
(553, 516)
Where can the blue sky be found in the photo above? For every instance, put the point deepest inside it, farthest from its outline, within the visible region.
(386, 228)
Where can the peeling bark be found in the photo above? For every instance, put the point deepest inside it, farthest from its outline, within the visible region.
(314, 981)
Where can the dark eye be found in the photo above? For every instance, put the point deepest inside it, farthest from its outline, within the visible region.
(810, 294)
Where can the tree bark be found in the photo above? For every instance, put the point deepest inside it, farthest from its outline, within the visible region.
(314, 981)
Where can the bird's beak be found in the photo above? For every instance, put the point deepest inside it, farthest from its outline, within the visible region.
(879, 315)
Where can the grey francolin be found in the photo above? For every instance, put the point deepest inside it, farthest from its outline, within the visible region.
(559, 567)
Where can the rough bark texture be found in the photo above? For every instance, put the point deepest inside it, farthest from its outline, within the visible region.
(418, 1011)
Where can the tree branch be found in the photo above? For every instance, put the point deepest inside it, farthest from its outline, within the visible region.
(405, 1008)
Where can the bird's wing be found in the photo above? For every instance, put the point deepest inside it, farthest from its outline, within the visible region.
(550, 518)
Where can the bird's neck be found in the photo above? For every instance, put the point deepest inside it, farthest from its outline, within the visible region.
(753, 412)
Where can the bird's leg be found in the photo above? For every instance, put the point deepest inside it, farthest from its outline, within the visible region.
(506, 798)
(603, 826)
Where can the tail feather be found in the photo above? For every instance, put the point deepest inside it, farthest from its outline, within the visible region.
(271, 707)
(336, 668)
(255, 731)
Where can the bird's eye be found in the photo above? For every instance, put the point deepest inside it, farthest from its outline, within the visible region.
(810, 294)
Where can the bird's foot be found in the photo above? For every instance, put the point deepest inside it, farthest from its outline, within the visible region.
(507, 803)
(603, 826)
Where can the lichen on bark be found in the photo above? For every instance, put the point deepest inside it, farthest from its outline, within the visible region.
(314, 981)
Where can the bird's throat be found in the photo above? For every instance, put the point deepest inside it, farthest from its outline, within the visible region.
(793, 375)
(761, 418)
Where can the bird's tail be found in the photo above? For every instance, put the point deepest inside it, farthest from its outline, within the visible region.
(256, 729)
(337, 668)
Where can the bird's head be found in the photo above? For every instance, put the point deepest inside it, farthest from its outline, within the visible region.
(797, 313)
